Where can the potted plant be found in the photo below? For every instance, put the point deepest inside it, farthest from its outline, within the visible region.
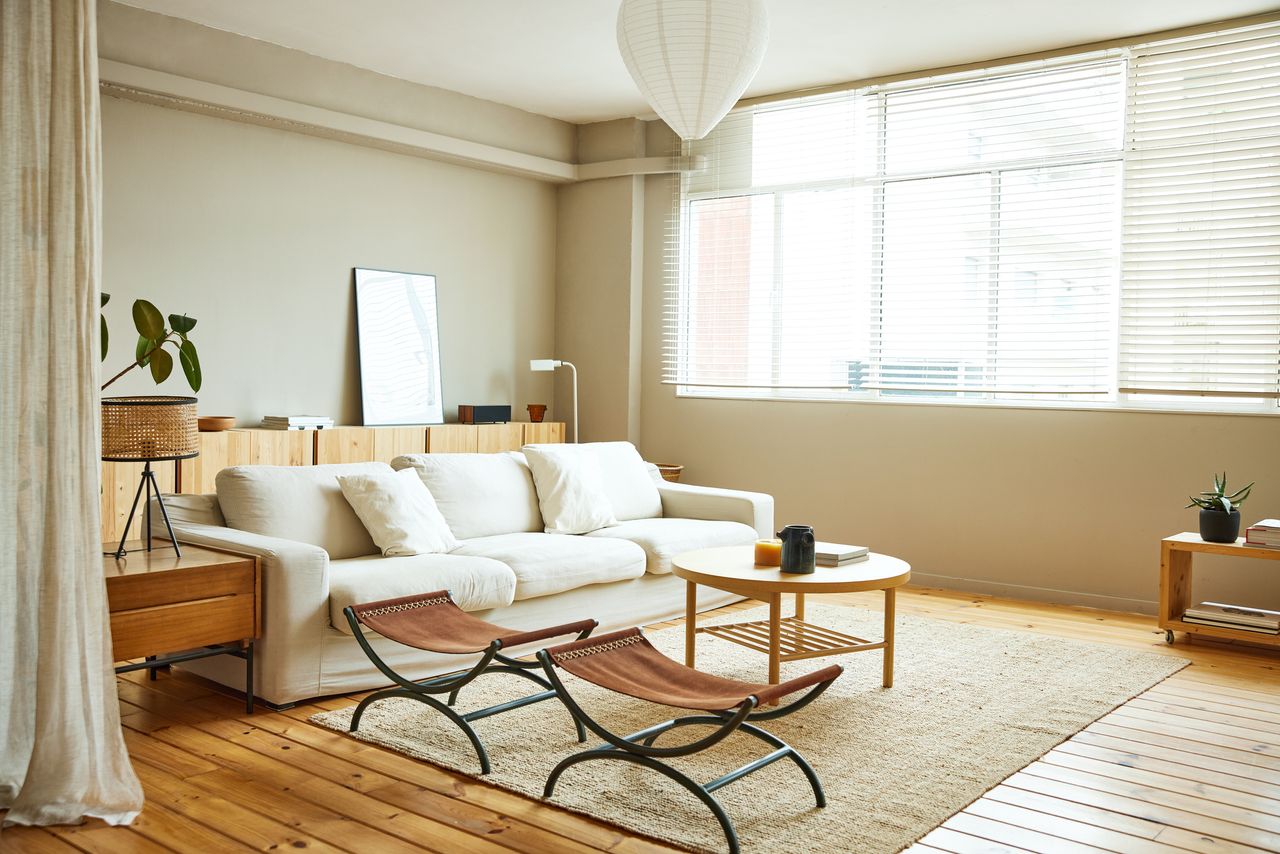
(149, 428)
(1220, 512)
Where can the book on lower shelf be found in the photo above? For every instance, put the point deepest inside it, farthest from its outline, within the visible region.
(1264, 533)
(1234, 617)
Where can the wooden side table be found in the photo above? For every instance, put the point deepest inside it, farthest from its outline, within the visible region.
(168, 609)
(1175, 585)
(733, 568)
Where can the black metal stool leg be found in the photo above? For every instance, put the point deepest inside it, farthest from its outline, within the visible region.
(462, 724)
(731, 835)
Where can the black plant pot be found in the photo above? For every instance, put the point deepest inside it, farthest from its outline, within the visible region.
(1219, 527)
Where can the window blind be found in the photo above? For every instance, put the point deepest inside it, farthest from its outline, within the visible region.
(1200, 311)
(962, 236)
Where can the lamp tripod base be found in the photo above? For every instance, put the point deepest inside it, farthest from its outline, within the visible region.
(147, 484)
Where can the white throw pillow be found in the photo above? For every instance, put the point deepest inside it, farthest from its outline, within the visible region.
(626, 480)
(399, 513)
(570, 492)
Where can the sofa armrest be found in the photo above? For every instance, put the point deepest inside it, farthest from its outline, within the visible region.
(295, 604)
(685, 501)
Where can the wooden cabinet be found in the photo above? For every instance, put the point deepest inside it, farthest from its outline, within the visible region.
(1175, 585)
(167, 608)
(544, 433)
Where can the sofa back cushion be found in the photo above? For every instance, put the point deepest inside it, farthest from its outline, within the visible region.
(480, 495)
(300, 503)
(626, 480)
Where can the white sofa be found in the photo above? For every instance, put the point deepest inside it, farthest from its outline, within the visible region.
(317, 558)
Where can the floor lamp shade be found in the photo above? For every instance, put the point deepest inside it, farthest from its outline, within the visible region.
(137, 429)
(692, 59)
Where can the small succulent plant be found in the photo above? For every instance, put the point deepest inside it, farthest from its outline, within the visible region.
(1218, 499)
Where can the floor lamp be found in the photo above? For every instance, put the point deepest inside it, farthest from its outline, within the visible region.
(551, 365)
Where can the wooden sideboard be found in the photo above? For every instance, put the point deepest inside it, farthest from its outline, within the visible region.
(255, 446)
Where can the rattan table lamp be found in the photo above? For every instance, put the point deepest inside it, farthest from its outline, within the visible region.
(147, 430)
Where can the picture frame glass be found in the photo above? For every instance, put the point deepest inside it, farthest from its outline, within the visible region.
(398, 331)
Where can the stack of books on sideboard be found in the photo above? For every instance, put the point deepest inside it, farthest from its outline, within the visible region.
(1264, 533)
(296, 422)
(1223, 616)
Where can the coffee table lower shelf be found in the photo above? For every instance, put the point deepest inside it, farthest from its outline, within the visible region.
(798, 639)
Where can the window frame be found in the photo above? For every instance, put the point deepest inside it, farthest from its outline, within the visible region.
(1115, 400)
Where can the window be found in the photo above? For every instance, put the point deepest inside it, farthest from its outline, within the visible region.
(1102, 228)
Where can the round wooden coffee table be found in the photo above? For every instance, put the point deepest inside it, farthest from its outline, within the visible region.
(733, 569)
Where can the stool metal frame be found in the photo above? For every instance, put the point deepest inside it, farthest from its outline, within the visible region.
(424, 691)
(638, 748)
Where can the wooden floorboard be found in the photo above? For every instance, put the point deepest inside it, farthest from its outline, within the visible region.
(1191, 765)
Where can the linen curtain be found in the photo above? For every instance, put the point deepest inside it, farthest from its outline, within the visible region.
(62, 754)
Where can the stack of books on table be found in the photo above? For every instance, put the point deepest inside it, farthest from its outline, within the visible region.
(296, 422)
(1264, 533)
(1234, 617)
(837, 554)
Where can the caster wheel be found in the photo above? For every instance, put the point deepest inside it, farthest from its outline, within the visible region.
(1168, 636)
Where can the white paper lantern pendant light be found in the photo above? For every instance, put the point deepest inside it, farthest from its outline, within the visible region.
(692, 59)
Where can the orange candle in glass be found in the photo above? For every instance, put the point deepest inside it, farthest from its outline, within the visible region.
(768, 552)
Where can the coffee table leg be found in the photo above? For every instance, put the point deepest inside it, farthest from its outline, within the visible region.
(889, 597)
(690, 621)
(775, 637)
(799, 606)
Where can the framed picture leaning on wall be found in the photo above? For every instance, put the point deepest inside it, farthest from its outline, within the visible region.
(398, 329)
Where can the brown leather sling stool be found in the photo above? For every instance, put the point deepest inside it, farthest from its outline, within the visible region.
(626, 663)
(433, 622)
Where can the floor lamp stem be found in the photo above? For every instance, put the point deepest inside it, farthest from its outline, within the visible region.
(573, 370)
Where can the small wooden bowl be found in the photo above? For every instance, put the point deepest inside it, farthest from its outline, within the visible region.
(215, 423)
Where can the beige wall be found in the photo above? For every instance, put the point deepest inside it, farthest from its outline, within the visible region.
(1064, 506)
(599, 286)
(254, 231)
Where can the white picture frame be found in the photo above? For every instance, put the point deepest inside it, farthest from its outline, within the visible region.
(398, 332)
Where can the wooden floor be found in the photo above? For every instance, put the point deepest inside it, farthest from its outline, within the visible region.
(1192, 765)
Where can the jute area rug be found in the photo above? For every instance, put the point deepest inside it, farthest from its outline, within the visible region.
(970, 706)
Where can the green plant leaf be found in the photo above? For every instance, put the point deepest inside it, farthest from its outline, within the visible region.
(181, 324)
(161, 365)
(140, 350)
(102, 335)
(1241, 494)
(148, 320)
(190, 364)
(1226, 503)
(103, 298)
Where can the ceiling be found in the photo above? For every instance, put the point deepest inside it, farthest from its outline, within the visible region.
(560, 57)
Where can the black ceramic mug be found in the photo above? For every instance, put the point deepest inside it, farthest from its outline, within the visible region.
(797, 549)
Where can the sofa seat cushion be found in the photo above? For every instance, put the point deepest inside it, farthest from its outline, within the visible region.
(299, 503)
(552, 563)
(476, 583)
(479, 494)
(663, 539)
